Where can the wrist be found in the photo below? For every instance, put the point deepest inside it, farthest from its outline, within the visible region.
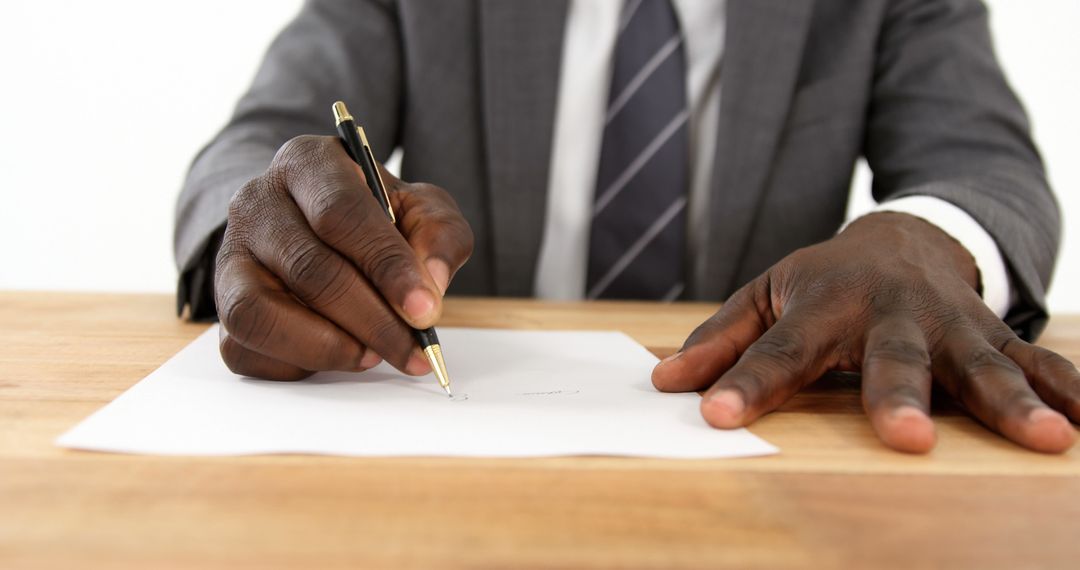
(915, 239)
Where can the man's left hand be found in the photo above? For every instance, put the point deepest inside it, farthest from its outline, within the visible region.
(896, 298)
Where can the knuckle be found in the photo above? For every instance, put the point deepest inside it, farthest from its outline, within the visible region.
(331, 213)
(786, 349)
(244, 362)
(987, 359)
(225, 271)
(901, 350)
(232, 248)
(244, 200)
(299, 151)
(889, 296)
(305, 157)
(233, 355)
(1050, 363)
(227, 267)
(937, 317)
(256, 208)
(759, 294)
(387, 333)
(938, 322)
(383, 260)
(240, 310)
(313, 273)
(999, 335)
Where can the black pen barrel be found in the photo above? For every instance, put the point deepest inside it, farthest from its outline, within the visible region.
(426, 337)
(350, 139)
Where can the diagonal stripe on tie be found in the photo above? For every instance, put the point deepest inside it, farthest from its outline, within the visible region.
(647, 70)
(634, 167)
(623, 262)
(628, 14)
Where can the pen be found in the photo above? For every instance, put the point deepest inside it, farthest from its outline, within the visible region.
(356, 143)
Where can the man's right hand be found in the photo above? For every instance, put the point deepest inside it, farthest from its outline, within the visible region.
(311, 274)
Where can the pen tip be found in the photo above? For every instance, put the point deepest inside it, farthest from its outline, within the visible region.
(438, 366)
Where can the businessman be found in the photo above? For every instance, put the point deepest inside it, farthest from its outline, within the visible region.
(648, 149)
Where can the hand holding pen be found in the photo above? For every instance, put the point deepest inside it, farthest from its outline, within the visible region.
(355, 140)
(311, 275)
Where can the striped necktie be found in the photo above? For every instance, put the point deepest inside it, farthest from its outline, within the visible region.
(637, 238)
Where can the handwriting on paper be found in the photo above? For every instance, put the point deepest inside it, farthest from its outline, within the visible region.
(552, 393)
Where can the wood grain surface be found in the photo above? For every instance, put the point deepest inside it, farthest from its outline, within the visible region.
(834, 497)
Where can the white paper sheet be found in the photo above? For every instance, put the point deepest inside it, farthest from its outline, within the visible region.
(530, 393)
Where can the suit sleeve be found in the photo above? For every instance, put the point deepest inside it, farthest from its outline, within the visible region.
(943, 122)
(333, 49)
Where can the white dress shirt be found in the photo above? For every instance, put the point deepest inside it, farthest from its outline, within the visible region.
(585, 77)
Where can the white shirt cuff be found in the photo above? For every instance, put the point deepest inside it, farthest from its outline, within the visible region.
(996, 286)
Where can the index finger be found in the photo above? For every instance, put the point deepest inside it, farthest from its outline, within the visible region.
(430, 220)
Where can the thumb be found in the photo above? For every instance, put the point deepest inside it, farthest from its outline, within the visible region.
(715, 345)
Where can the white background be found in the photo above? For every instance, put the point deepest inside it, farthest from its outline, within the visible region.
(144, 84)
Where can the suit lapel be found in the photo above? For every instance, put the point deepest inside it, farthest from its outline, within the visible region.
(763, 47)
(521, 48)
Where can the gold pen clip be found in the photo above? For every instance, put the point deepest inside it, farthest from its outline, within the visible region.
(382, 185)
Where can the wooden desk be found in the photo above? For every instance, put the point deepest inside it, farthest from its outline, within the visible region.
(833, 497)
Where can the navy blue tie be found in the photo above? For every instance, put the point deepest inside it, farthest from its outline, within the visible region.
(637, 239)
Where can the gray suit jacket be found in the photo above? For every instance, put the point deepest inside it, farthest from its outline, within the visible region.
(467, 89)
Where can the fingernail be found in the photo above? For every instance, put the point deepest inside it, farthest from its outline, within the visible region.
(419, 305)
(730, 400)
(370, 360)
(671, 358)
(909, 429)
(440, 272)
(905, 411)
(1040, 414)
